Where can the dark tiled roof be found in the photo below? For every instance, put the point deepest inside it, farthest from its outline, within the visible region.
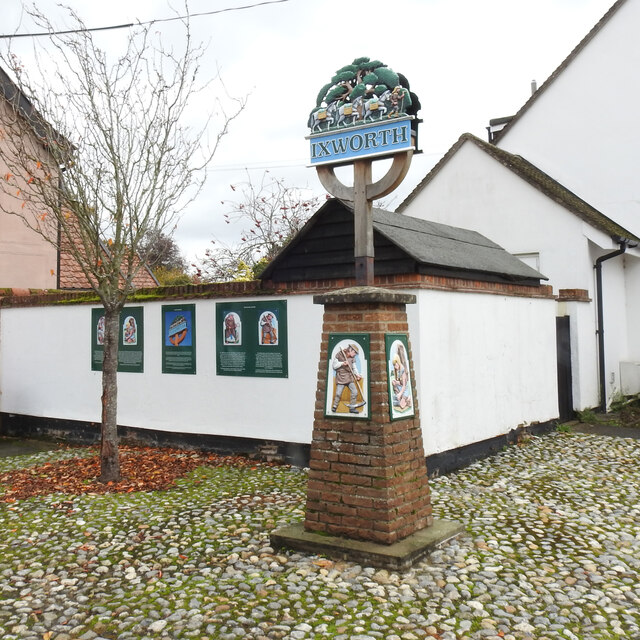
(429, 246)
(565, 63)
(12, 94)
(536, 178)
(441, 245)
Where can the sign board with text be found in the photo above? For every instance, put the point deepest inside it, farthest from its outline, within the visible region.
(130, 344)
(179, 338)
(251, 339)
(366, 110)
(376, 139)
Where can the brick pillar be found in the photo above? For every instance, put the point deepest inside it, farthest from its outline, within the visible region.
(368, 478)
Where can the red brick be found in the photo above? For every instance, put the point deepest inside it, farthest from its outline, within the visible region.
(320, 465)
(349, 317)
(355, 522)
(354, 458)
(401, 447)
(382, 486)
(358, 481)
(356, 438)
(340, 467)
(358, 501)
(342, 509)
(374, 514)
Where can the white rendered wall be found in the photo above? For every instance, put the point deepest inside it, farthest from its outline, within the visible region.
(474, 191)
(484, 365)
(615, 319)
(583, 129)
(487, 365)
(632, 281)
(45, 370)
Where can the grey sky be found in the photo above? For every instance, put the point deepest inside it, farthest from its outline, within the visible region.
(468, 61)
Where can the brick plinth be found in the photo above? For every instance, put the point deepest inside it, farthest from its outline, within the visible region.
(368, 478)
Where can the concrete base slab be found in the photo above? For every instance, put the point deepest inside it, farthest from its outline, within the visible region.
(396, 557)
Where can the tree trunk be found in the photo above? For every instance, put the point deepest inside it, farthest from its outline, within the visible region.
(109, 456)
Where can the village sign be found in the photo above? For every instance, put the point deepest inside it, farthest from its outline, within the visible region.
(366, 112)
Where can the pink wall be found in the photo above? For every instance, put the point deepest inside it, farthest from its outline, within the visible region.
(26, 260)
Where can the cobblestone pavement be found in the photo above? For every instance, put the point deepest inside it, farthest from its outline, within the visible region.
(551, 550)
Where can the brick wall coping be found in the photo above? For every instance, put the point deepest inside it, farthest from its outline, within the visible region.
(573, 295)
(364, 294)
(34, 297)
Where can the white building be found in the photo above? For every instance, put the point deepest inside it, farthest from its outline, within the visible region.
(559, 189)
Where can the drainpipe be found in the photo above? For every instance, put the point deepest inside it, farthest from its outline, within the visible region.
(600, 330)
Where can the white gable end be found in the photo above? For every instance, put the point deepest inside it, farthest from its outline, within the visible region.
(582, 128)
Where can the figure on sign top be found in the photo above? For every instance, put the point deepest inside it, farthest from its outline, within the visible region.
(364, 91)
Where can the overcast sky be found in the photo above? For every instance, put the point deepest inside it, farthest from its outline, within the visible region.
(468, 61)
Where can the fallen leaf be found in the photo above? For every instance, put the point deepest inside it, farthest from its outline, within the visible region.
(142, 468)
(324, 564)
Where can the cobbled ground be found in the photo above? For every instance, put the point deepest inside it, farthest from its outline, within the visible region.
(551, 550)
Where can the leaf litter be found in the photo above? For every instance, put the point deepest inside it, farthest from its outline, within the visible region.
(142, 469)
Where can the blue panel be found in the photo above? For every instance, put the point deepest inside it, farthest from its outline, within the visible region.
(375, 139)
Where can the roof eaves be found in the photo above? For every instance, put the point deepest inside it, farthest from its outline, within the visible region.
(44, 131)
(553, 189)
(536, 178)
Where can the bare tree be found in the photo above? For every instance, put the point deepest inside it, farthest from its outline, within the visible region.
(271, 213)
(96, 156)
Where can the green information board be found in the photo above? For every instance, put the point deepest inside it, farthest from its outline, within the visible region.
(251, 339)
(179, 338)
(130, 344)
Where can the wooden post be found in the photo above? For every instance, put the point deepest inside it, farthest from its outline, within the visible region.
(363, 222)
(362, 195)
